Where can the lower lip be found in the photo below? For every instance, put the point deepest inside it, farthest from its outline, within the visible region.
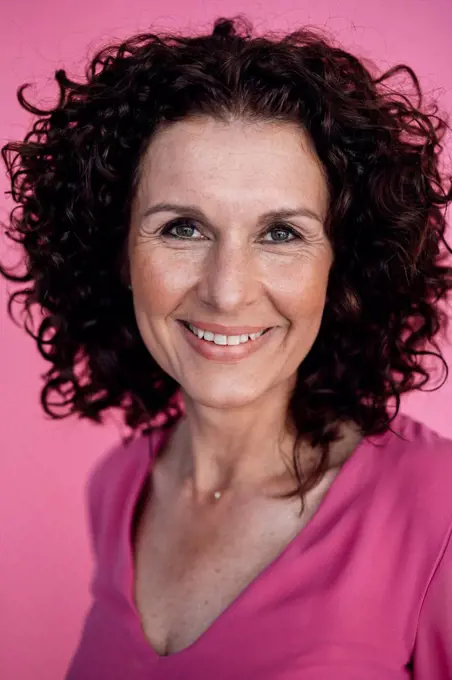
(224, 353)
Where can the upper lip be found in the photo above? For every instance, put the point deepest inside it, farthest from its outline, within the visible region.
(226, 330)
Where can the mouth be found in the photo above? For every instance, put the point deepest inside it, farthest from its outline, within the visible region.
(224, 340)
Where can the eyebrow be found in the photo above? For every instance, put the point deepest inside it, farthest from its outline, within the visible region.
(197, 214)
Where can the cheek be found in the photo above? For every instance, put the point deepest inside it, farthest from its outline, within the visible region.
(300, 289)
(160, 281)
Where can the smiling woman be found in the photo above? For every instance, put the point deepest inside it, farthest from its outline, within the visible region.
(239, 241)
(226, 268)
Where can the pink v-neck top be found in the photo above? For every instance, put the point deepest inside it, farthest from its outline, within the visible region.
(363, 592)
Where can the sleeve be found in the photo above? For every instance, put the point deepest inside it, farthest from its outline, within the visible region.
(432, 656)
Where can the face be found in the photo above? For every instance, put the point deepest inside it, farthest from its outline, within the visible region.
(239, 248)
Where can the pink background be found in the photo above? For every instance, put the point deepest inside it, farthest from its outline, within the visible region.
(45, 559)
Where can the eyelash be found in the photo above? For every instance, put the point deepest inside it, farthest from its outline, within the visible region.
(166, 231)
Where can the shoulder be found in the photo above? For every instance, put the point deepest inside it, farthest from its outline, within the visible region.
(116, 480)
(111, 484)
(119, 460)
(418, 455)
(411, 469)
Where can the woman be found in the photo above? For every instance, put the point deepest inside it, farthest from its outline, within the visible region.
(239, 241)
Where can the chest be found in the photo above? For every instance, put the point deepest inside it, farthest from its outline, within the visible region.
(186, 573)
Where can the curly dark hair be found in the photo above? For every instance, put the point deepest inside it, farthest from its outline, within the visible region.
(75, 173)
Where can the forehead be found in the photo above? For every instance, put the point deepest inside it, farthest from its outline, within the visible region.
(242, 159)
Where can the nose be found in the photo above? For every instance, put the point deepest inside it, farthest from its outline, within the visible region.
(229, 279)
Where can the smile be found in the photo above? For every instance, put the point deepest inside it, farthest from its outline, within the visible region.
(219, 339)
(222, 347)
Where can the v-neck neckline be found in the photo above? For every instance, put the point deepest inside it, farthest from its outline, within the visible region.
(335, 493)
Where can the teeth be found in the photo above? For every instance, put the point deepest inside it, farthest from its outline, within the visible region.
(234, 340)
(223, 339)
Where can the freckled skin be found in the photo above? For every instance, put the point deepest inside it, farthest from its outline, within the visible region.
(231, 271)
(228, 270)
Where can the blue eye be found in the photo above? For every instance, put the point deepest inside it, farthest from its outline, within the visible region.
(181, 229)
(184, 229)
(282, 234)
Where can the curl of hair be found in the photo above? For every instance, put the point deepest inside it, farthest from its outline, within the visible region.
(74, 175)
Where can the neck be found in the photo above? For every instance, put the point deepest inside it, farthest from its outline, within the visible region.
(215, 450)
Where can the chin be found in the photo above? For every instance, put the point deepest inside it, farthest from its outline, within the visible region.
(223, 398)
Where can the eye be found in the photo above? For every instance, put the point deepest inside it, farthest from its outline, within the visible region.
(281, 234)
(180, 229)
